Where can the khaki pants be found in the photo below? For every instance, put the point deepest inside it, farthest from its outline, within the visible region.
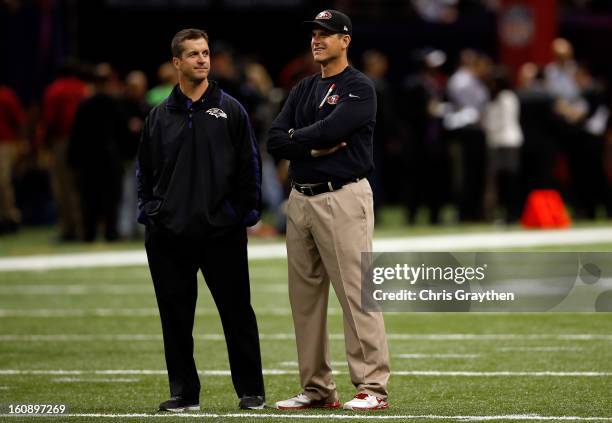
(8, 210)
(63, 184)
(326, 234)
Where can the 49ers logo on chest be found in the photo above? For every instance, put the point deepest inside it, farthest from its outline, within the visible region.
(333, 99)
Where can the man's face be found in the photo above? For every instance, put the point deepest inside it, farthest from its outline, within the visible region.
(194, 63)
(327, 46)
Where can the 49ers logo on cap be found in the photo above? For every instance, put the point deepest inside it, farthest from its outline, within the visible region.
(324, 15)
(333, 99)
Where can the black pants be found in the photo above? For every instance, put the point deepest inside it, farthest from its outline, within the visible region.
(473, 162)
(174, 263)
(100, 199)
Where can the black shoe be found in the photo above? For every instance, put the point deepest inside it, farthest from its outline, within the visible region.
(178, 405)
(248, 402)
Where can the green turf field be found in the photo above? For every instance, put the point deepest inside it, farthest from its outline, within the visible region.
(91, 338)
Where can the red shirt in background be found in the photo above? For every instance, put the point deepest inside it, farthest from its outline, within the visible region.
(12, 116)
(60, 102)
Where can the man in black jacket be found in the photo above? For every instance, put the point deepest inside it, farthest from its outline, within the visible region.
(199, 185)
(326, 128)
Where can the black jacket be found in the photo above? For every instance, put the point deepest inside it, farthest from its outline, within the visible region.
(199, 168)
(96, 148)
(320, 121)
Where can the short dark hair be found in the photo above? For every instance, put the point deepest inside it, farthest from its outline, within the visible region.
(185, 34)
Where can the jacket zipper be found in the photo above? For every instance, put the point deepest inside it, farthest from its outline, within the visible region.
(190, 111)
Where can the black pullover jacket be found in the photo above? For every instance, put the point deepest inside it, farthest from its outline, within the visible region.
(199, 169)
(320, 121)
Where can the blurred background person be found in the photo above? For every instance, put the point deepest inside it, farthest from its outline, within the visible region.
(438, 11)
(12, 134)
(296, 69)
(166, 74)
(571, 108)
(560, 74)
(268, 100)
(468, 97)
(425, 158)
(539, 124)
(376, 67)
(60, 101)
(135, 109)
(590, 186)
(96, 151)
(224, 68)
(501, 122)
(228, 69)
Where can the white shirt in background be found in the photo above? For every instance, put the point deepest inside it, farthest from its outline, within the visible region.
(501, 121)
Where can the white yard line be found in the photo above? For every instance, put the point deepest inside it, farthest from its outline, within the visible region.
(295, 363)
(490, 240)
(284, 372)
(103, 288)
(97, 380)
(443, 356)
(327, 416)
(81, 312)
(522, 288)
(540, 349)
(76, 289)
(291, 336)
(458, 242)
(499, 374)
(130, 312)
(73, 261)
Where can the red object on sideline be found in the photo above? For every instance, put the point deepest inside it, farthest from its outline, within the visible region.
(545, 209)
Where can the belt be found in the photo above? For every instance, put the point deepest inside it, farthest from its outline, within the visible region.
(323, 187)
